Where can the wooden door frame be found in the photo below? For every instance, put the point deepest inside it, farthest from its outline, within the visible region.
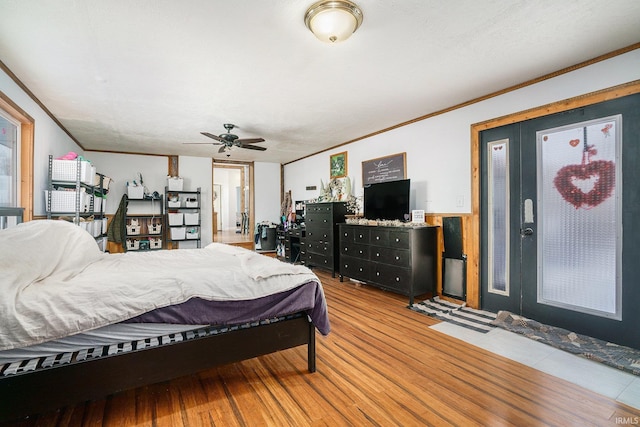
(26, 153)
(228, 164)
(473, 243)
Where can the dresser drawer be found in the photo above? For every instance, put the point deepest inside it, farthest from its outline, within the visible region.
(354, 268)
(319, 235)
(399, 239)
(318, 247)
(379, 237)
(392, 277)
(398, 257)
(355, 249)
(318, 260)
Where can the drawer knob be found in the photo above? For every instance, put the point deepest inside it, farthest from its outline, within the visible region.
(397, 240)
(397, 258)
(346, 266)
(377, 237)
(377, 273)
(360, 269)
(397, 279)
(360, 252)
(361, 236)
(377, 254)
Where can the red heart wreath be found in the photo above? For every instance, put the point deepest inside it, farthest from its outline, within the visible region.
(602, 170)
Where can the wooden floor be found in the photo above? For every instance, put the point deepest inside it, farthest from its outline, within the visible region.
(380, 366)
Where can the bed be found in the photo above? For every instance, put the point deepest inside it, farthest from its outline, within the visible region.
(77, 324)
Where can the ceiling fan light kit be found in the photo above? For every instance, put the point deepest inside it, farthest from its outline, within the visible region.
(227, 141)
(333, 21)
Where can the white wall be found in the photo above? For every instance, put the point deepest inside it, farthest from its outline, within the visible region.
(49, 138)
(197, 172)
(438, 149)
(125, 168)
(267, 192)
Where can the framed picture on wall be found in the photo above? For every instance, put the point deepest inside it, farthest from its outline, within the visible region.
(338, 165)
(382, 169)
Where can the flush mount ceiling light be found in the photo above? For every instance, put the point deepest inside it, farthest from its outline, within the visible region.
(333, 21)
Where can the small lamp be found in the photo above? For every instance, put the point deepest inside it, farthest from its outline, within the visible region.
(333, 21)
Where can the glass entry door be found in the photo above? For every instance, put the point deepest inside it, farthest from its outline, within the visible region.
(559, 206)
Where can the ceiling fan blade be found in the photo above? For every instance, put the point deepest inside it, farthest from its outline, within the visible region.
(253, 147)
(210, 135)
(221, 149)
(249, 140)
(208, 143)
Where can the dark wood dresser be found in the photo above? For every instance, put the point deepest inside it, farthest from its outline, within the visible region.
(398, 259)
(320, 239)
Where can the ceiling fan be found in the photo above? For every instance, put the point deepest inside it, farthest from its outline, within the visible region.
(229, 140)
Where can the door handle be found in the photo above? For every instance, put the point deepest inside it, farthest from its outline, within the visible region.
(526, 231)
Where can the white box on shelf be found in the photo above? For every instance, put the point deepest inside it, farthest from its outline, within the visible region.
(63, 201)
(175, 183)
(191, 218)
(176, 218)
(178, 233)
(192, 233)
(191, 203)
(67, 170)
(102, 243)
(97, 227)
(97, 203)
(171, 204)
(105, 221)
(135, 191)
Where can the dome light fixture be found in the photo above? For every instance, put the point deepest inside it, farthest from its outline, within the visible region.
(333, 21)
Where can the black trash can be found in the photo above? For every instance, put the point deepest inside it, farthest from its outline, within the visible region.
(268, 239)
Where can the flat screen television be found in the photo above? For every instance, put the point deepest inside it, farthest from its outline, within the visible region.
(387, 200)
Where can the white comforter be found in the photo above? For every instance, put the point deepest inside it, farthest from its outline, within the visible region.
(55, 282)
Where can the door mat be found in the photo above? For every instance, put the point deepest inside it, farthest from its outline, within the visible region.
(458, 314)
(617, 356)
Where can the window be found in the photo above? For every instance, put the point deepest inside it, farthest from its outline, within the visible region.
(9, 164)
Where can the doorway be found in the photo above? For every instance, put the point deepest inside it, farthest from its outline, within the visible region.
(556, 194)
(233, 199)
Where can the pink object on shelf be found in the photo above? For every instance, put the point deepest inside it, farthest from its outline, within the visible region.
(69, 156)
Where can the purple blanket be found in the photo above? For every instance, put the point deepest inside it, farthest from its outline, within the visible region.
(308, 298)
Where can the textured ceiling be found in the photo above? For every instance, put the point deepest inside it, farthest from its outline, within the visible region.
(150, 75)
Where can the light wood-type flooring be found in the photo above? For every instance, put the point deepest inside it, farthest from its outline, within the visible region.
(380, 366)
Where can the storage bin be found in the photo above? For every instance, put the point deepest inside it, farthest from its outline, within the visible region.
(63, 201)
(175, 183)
(155, 243)
(191, 219)
(102, 243)
(144, 245)
(133, 230)
(105, 221)
(97, 227)
(155, 228)
(178, 233)
(66, 170)
(135, 191)
(174, 205)
(97, 203)
(192, 233)
(176, 218)
(133, 244)
(191, 203)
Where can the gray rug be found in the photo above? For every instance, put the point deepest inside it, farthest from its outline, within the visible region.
(617, 356)
(458, 314)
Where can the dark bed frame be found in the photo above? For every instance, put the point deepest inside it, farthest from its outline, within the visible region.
(42, 390)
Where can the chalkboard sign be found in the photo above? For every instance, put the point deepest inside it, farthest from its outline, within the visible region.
(388, 168)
